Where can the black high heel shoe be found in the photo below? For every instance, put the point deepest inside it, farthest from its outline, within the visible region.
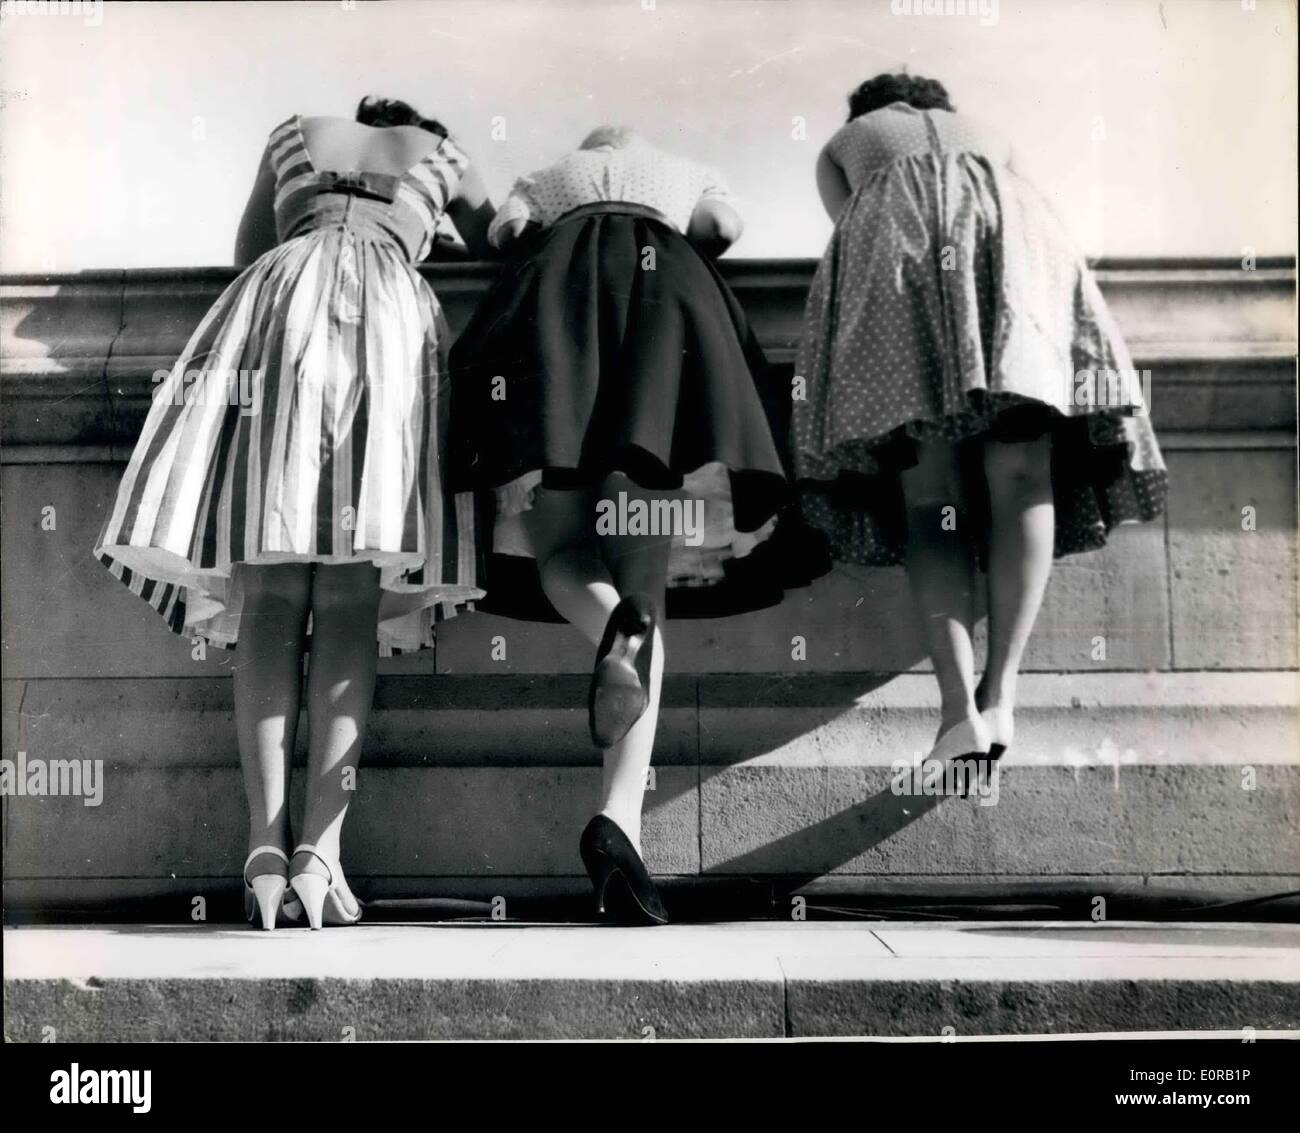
(622, 884)
(620, 681)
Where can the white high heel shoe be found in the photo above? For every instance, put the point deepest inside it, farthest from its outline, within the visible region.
(264, 894)
(964, 740)
(324, 899)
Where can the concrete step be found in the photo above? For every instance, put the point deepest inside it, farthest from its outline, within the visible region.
(478, 786)
(759, 979)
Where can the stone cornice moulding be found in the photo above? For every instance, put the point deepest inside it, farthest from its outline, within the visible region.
(78, 350)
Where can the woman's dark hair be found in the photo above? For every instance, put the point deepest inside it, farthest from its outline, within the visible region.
(922, 93)
(394, 112)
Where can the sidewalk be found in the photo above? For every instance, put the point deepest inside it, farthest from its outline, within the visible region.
(753, 979)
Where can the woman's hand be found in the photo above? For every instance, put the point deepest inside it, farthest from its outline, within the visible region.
(471, 210)
(513, 230)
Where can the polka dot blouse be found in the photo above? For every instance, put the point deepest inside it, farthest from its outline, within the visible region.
(638, 172)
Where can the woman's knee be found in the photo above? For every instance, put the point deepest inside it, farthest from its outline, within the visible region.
(350, 589)
(560, 520)
(1018, 470)
(934, 481)
(283, 588)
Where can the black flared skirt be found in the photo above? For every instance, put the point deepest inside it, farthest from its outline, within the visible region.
(611, 344)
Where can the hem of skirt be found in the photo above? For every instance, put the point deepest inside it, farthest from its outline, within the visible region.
(171, 569)
(516, 592)
(1099, 537)
(862, 455)
(452, 604)
(518, 493)
(454, 600)
(448, 598)
(697, 565)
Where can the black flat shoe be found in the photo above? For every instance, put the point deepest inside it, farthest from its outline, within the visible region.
(623, 887)
(620, 682)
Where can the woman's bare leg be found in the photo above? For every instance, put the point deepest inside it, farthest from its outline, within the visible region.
(940, 569)
(562, 532)
(340, 688)
(1021, 540)
(268, 691)
(585, 576)
(639, 565)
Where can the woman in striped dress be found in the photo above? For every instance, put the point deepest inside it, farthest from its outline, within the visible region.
(288, 479)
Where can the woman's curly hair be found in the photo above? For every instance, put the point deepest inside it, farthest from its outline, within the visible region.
(915, 90)
(373, 111)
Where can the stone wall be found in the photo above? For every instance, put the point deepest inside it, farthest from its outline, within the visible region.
(765, 764)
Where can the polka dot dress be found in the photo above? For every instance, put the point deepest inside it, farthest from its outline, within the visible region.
(949, 295)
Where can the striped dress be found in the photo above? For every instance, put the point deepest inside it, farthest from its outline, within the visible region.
(306, 419)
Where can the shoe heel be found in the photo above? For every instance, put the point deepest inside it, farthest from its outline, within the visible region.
(312, 890)
(601, 870)
(268, 891)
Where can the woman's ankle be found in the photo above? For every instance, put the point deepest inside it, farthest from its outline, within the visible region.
(325, 849)
(274, 836)
(996, 695)
(265, 861)
(629, 823)
(956, 710)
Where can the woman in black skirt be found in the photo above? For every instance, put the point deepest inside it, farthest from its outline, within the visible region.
(610, 395)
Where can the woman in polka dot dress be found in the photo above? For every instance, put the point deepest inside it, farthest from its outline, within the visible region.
(969, 399)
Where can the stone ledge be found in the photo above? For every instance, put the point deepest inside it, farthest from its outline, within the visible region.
(773, 979)
(77, 351)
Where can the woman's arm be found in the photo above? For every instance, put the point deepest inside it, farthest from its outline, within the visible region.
(257, 226)
(832, 184)
(471, 210)
(715, 226)
(518, 215)
(514, 229)
(715, 223)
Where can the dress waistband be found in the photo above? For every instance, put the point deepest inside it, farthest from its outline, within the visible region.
(357, 213)
(375, 186)
(624, 208)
